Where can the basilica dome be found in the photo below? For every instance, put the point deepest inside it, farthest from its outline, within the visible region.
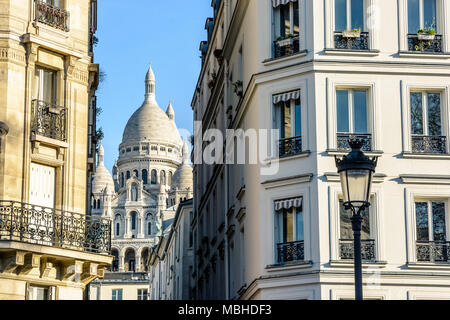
(150, 122)
(102, 178)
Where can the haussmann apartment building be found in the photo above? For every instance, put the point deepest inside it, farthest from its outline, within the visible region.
(49, 248)
(321, 71)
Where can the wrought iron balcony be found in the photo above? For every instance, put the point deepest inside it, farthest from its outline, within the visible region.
(342, 140)
(50, 227)
(48, 120)
(286, 47)
(290, 146)
(351, 43)
(52, 16)
(431, 251)
(418, 44)
(367, 249)
(291, 251)
(429, 144)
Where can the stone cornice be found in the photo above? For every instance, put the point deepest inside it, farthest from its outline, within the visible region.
(424, 179)
(12, 55)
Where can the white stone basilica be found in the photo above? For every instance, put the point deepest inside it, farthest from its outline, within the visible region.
(150, 178)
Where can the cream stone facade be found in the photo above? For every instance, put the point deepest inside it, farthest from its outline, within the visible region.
(150, 178)
(297, 66)
(49, 249)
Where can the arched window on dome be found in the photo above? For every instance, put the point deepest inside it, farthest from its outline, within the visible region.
(136, 173)
(169, 178)
(145, 176)
(117, 219)
(149, 220)
(122, 180)
(98, 204)
(163, 178)
(154, 177)
(93, 203)
(128, 175)
(133, 221)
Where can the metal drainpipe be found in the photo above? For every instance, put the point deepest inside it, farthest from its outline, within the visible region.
(227, 267)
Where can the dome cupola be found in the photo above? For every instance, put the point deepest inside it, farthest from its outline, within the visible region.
(102, 178)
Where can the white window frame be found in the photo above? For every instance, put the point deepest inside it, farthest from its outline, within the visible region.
(293, 122)
(429, 201)
(351, 99)
(406, 89)
(425, 110)
(349, 15)
(117, 291)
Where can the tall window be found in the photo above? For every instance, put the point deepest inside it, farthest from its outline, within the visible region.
(117, 294)
(128, 175)
(136, 173)
(142, 294)
(145, 176)
(289, 230)
(163, 178)
(46, 85)
(426, 123)
(288, 119)
(122, 179)
(422, 14)
(286, 19)
(154, 177)
(352, 117)
(39, 293)
(349, 15)
(133, 221)
(169, 178)
(117, 229)
(431, 221)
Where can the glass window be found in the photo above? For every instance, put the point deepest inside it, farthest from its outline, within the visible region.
(422, 14)
(290, 225)
(38, 293)
(345, 222)
(426, 112)
(117, 294)
(46, 85)
(431, 221)
(340, 11)
(154, 177)
(349, 15)
(145, 176)
(343, 124)
(351, 108)
(287, 18)
(142, 294)
(288, 118)
(133, 221)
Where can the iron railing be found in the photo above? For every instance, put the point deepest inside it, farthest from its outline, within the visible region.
(290, 146)
(342, 140)
(49, 120)
(347, 249)
(286, 47)
(50, 227)
(429, 144)
(291, 251)
(429, 46)
(433, 251)
(359, 43)
(52, 16)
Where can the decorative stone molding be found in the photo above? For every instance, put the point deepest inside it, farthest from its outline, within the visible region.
(11, 54)
(424, 179)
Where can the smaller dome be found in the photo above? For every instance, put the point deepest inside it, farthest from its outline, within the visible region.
(170, 112)
(102, 178)
(183, 178)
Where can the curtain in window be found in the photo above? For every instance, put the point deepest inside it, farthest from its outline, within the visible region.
(277, 3)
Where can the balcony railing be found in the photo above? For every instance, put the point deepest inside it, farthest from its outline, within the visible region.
(418, 44)
(342, 140)
(290, 147)
(429, 144)
(351, 43)
(48, 120)
(291, 251)
(52, 16)
(347, 249)
(286, 47)
(430, 251)
(50, 227)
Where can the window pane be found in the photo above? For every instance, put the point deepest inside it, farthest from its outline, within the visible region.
(429, 14)
(340, 12)
(434, 114)
(416, 113)
(296, 19)
(285, 27)
(342, 111)
(439, 232)
(422, 221)
(286, 130)
(298, 119)
(413, 16)
(288, 224)
(299, 226)
(345, 222)
(360, 111)
(357, 12)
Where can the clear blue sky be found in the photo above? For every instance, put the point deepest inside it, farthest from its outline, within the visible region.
(133, 33)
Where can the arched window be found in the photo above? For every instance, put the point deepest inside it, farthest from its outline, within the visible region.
(94, 204)
(133, 221)
(154, 177)
(122, 180)
(136, 173)
(169, 179)
(163, 178)
(128, 175)
(149, 228)
(145, 176)
(118, 229)
(98, 204)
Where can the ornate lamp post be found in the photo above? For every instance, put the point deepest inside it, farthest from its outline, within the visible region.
(356, 172)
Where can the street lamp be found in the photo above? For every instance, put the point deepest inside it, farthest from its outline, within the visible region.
(356, 172)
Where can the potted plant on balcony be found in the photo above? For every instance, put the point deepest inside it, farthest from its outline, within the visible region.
(426, 34)
(286, 41)
(354, 33)
(238, 88)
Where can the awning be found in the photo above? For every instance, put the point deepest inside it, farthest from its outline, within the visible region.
(287, 96)
(277, 3)
(288, 204)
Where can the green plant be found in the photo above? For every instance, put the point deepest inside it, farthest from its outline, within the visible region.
(355, 30)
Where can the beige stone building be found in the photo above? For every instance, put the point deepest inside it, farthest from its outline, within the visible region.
(49, 249)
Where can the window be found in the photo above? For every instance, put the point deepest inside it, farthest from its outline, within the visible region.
(154, 177)
(122, 180)
(40, 293)
(289, 230)
(133, 221)
(286, 28)
(350, 25)
(346, 235)
(145, 176)
(46, 85)
(426, 123)
(431, 231)
(163, 177)
(54, 3)
(117, 294)
(142, 294)
(136, 173)
(117, 229)
(423, 26)
(352, 117)
(128, 175)
(288, 119)
(169, 178)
